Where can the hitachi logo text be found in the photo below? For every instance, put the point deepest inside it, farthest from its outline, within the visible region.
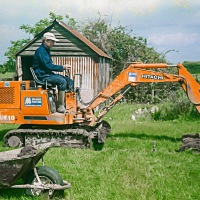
(155, 77)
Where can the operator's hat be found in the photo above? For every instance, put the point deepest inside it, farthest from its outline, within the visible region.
(50, 36)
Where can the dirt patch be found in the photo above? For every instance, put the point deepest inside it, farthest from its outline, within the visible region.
(191, 141)
(28, 150)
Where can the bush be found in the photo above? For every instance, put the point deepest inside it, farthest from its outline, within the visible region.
(192, 67)
(177, 106)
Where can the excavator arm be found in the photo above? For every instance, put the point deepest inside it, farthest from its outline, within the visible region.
(137, 73)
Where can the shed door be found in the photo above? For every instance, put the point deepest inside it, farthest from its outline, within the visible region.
(27, 62)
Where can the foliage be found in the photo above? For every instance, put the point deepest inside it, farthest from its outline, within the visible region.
(177, 106)
(118, 43)
(9, 65)
(2, 69)
(151, 92)
(40, 25)
(192, 67)
(123, 48)
(44, 23)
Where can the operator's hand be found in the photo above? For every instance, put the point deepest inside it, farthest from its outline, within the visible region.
(67, 67)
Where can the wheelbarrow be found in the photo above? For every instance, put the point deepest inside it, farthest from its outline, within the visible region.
(21, 164)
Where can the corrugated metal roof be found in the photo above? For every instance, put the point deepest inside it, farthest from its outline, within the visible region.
(73, 32)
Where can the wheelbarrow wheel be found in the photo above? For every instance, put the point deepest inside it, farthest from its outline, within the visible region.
(47, 175)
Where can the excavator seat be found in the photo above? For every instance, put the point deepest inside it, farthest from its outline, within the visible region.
(39, 82)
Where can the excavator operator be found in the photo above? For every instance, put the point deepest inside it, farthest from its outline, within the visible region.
(44, 67)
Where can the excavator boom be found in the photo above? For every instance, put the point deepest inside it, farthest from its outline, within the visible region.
(139, 73)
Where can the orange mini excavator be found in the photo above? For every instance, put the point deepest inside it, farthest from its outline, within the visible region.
(33, 107)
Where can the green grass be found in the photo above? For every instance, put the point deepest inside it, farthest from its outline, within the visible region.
(127, 167)
(6, 75)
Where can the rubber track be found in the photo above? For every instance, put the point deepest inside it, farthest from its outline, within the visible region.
(81, 136)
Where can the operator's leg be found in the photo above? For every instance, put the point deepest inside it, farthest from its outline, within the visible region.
(61, 82)
(70, 83)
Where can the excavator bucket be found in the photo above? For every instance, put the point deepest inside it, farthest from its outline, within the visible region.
(103, 129)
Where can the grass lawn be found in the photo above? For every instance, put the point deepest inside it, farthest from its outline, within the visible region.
(127, 167)
(7, 75)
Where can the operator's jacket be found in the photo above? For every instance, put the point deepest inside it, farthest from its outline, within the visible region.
(42, 63)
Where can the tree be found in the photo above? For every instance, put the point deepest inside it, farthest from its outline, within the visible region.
(118, 43)
(9, 65)
(123, 48)
(2, 69)
(44, 23)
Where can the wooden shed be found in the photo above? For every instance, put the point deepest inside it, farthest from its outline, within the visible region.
(75, 49)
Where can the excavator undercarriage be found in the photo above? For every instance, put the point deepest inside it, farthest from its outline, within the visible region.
(72, 136)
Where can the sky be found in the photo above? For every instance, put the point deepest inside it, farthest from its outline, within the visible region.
(172, 27)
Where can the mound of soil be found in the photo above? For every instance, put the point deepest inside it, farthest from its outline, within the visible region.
(28, 150)
(190, 141)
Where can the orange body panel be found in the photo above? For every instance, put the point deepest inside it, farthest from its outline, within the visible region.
(9, 94)
(71, 106)
(71, 102)
(50, 119)
(20, 105)
(34, 102)
(11, 116)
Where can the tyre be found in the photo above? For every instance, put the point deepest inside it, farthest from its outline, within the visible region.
(47, 176)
